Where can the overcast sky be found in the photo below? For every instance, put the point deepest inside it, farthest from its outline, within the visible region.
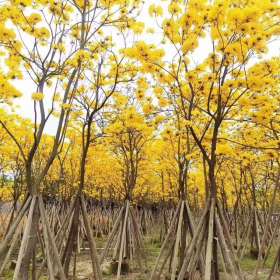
(25, 104)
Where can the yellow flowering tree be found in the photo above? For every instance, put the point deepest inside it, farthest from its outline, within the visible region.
(209, 91)
(62, 41)
(128, 135)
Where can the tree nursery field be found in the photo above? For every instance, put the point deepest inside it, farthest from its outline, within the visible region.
(139, 139)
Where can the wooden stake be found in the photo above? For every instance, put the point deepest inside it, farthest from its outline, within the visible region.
(209, 248)
(166, 242)
(194, 240)
(122, 241)
(12, 247)
(4, 246)
(25, 237)
(93, 250)
(52, 240)
(112, 235)
(177, 241)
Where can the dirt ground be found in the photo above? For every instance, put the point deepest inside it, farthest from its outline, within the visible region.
(152, 250)
(84, 268)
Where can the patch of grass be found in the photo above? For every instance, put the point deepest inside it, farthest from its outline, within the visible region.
(249, 264)
(8, 274)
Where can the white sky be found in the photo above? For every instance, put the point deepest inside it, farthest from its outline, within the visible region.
(25, 104)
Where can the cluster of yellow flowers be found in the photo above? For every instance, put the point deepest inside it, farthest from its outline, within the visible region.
(155, 10)
(6, 34)
(145, 53)
(6, 194)
(81, 57)
(37, 96)
(7, 90)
